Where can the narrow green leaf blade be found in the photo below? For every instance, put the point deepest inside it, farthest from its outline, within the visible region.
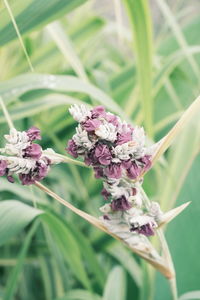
(14, 216)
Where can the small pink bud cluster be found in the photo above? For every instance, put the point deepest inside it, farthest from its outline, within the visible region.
(117, 153)
(23, 157)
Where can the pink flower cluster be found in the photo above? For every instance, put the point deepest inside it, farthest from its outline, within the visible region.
(24, 157)
(115, 150)
(101, 154)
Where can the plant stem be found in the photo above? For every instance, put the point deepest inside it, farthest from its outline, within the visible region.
(158, 265)
(166, 253)
(168, 258)
(6, 114)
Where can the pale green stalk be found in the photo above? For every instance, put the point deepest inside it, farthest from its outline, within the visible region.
(18, 34)
(6, 114)
(166, 253)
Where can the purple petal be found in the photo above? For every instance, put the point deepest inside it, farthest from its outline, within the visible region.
(124, 138)
(102, 152)
(113, 171)
(91, 124)
(134, 171)
(105, 194)
(120, 204)
(72, 148)
(3, 166)
(34, 151)
(33, 133)
(98, 111)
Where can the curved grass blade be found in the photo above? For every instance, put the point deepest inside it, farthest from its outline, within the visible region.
(13, 279)
(140, 19)
(18, 34)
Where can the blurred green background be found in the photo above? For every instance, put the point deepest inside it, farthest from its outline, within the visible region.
(140, 59)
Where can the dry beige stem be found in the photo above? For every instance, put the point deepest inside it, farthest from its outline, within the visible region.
(159, 264)
(171, 214)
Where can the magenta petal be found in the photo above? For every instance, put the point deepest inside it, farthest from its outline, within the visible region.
(33, 133)
(98, 111)
(134, 171)
(113, 171)
(91, 124)
(103, 154)
(124, 138)
(72, 148)
(98, 172)
(3, 166)
(105, 194)
(34, 151)
(120, 204)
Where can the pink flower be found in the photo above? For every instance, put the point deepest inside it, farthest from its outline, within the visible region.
(3, 166)
(146, 229)
(113, 171)
(134, 171)
(120, 204)
(124, 137)
(33, 133)
(126, 164)
(91, 124)
(98, 172)
(146, 160)
(112, 119)
(72, 148)
(105, 194)
(103, 154)
(98, 111)
(34, 151)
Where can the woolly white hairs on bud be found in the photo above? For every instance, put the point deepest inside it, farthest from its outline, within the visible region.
(79, 112)
(19, 165)
(124, 151)
(120, 189)
(138, 221)
(138, 136)
(18, 141)
(52, 156)
(107, 131)
(81, 138)
(155, 211)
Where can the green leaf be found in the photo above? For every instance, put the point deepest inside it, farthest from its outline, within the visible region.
(68, 246)
(191, 295)
(24, 83)
(140, 19)
(13, 279)
(115, 287)
(183, 238)
(90, 255)
(14, 216)
(79, 295)
(127, 260)
(33, 14)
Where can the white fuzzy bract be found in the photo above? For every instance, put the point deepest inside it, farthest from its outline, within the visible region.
(138, 136)
(17, 142)
(79, 112)
(81, 138)
(138, 221)
(124, 151)
(107, 131)
(52, 156)
(19, 165)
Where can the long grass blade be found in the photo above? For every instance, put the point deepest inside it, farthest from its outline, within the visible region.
(65, 45)
(18, 34)
(140, 19)
(178, 34)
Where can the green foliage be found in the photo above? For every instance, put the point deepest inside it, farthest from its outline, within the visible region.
(148, 79)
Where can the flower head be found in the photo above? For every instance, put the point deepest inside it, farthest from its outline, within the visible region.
(117, 153)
